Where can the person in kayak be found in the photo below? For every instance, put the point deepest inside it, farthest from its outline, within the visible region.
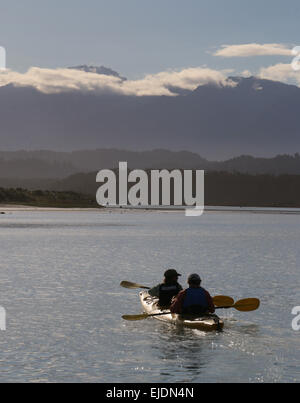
(167, 290)
(195, 300)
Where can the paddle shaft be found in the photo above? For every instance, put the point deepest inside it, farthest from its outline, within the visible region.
(130, 285)
(245, 305)
(224, 307)
(168, 313)
(146, 316)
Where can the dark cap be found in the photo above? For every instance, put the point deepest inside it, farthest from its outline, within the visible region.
(194, 278)
(171, 273)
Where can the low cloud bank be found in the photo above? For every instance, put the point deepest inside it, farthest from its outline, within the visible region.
(280, 72)
(52, 81)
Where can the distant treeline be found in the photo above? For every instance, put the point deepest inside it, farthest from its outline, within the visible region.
(58, 165)
(41, 198)
(236, 189)
(221, 189)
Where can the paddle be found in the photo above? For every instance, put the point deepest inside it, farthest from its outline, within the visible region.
(244, 305)
(223, 300)
(130, 285)
(220, 300)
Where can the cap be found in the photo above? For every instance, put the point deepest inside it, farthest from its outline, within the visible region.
(194, 278)
(171, 273)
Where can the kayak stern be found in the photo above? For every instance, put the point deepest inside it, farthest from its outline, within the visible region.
(206, 323)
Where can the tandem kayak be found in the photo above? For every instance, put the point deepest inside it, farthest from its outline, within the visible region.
(205, 323)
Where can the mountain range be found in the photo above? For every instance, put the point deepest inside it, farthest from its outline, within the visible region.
(41, 165)
(258, 117)
(98, 70)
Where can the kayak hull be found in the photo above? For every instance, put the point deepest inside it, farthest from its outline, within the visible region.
(207, 323)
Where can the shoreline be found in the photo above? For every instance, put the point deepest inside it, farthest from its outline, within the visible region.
(8, 208)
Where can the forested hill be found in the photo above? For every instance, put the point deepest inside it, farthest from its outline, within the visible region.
(221, 189)
(39, 198)
(57, 165)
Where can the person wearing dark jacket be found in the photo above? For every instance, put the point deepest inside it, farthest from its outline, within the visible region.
(193, 301)
(168, 289)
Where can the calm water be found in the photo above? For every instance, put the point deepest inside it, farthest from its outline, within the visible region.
(59, 283)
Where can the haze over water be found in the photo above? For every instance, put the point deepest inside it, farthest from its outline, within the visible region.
(60, 275)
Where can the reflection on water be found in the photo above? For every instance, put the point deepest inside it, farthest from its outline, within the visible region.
(185, 348)
(251, 330)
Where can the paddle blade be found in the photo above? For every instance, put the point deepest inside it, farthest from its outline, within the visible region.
(135, 317)
(223, 300)
(247, 305)
(132, 286)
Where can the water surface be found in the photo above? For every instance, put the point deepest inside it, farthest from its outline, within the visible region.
(59, 282)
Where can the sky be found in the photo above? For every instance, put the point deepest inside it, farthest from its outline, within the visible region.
(140, 37)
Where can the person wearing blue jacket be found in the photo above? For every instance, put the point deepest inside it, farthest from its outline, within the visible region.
(195, 300)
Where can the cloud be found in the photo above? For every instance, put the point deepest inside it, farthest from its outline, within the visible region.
(280, 72)
(51, 81)
(58, 80)
(246, 74)
(254, 49)
(188, 79)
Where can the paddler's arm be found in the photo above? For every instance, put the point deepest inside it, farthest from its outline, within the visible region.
(154, 292)
(176, 306)
(211, 305)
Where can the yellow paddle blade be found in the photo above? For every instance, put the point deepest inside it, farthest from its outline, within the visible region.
(136, 317)
(130, 285)
(247, 305)
(223, 300)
